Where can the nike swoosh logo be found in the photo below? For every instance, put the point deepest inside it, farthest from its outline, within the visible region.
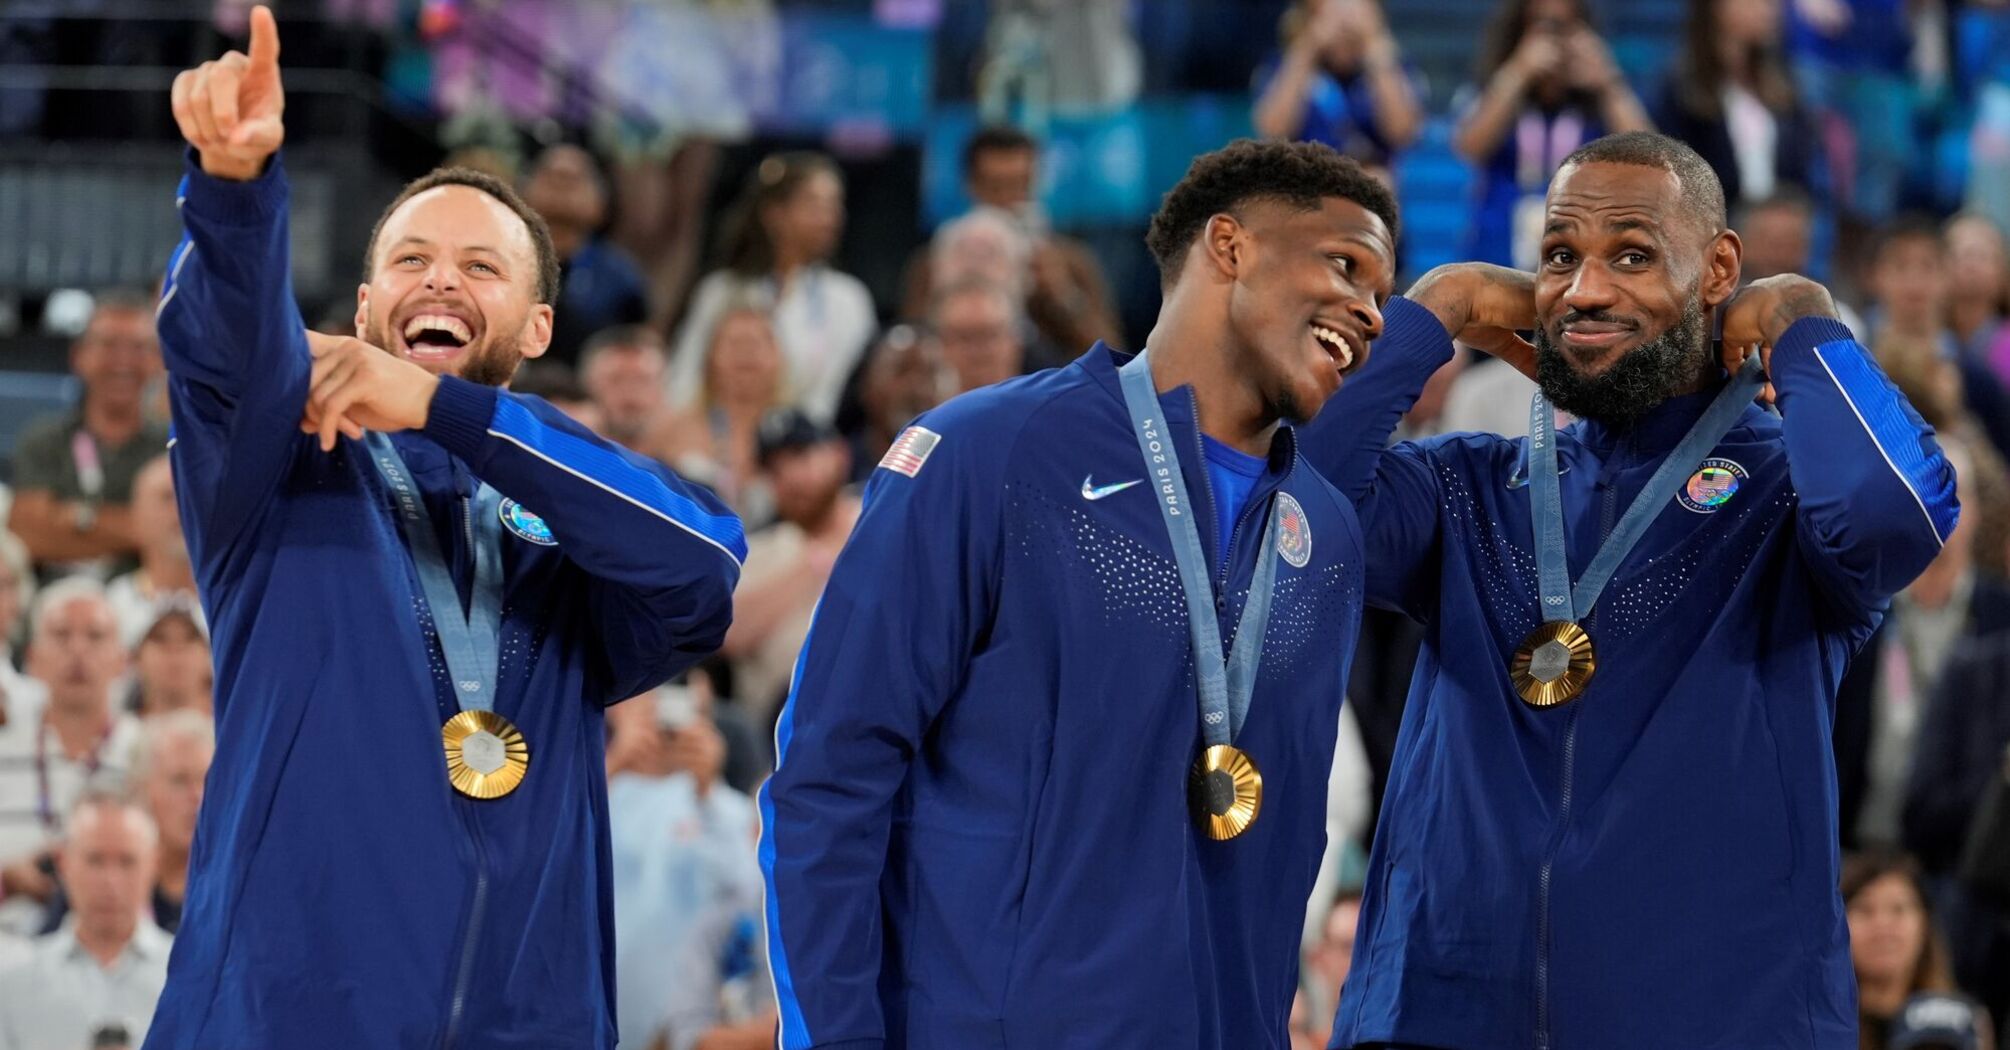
(1091, 491)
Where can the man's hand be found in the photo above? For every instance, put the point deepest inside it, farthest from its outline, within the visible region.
(356, 386)
(1482, 305)
(229, 109)
(700, 750)
(1762, 312)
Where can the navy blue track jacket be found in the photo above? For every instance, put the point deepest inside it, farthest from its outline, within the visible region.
(341, 894)
(1653, 866)
(978, 833)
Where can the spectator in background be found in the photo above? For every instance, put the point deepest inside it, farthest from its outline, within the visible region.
(789, 561)
(169, 765)
(623, 370)
(1894, 944)
(1731, 97)
(1910, 286)
(779, 238)
(165, 577)
(1779, 237)
(599, 285)
(21, 697)
(714, 440)
(104, 968)
(903, 377)
(1853, 59)
(1328, 961)
(73, 474)
(1885, 692)
(560, 385)
(723, 998)
(682, 845)
(1978, 294)
(171, 664)
(1547, 85)
(1341, 81)
(47, 762)
(1933, 1021)
(1066, 295)
(982, 333)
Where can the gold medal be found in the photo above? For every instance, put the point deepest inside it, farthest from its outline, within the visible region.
(1225, 791)
(1553, 665)
(486, 755)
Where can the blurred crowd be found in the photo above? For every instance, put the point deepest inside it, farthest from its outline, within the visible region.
(1864, 141)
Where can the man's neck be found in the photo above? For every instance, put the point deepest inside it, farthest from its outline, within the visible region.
(1882, 998)
(173, 881)
(112, 422)
(1230, 409)
(107, 940)
(79, 725)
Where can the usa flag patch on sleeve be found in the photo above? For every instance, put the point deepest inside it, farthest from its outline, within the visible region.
(910, 450)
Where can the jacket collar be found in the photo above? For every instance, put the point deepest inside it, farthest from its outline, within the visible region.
(1103, 361)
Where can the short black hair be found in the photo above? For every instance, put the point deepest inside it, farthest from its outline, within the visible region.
(1299, 174)
(1909, 226)
(639, 336)
(998, 138)
(540, 234)
(553, 381)
(1786, 197)
(1702, 193)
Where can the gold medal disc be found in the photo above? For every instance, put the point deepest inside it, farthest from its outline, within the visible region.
(1553, 665)
(1225, 791)
(487, 756)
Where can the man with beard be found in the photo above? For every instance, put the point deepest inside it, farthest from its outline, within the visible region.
(1020, 798)
(1612, 820)
(404, 838)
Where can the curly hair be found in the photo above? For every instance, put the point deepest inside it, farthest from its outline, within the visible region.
(1299, 174)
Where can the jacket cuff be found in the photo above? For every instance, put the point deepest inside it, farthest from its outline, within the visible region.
(1415, 333)
(1809, 332)
(459, 415)
(228, 200)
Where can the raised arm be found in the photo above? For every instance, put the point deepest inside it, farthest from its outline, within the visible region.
(1877, 496)
(1395, 490)
(889, 646)
(229, 328)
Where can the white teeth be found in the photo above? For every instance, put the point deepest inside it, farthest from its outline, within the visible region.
(1333, 339)
(438, 322)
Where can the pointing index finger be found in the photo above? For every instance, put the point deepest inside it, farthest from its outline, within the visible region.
(264, 38)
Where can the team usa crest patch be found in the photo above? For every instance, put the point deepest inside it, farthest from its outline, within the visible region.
(910, 450)
(1294, 532)
(526, 525)
(1712, 486)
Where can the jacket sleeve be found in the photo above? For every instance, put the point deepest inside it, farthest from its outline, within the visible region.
(1876, 494)
(1394, 490)
(235, 349)
(662, 555)
(907, 604)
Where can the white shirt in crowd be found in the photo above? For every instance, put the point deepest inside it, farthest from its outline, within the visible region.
(678, 860)
(60, 995)
(38, 785)
(823, 322)
(137, 607)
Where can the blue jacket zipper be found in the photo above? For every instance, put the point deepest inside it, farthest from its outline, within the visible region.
(1608, 506)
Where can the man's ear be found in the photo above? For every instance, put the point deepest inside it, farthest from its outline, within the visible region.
(1225, 244)
(1722, 264)
(537, 335)
(363, 311)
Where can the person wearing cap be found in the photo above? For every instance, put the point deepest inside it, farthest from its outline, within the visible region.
(171, 663)
(1939, 1021)
(808, 465)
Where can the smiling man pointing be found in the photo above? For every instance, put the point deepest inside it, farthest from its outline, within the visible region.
(420, 607)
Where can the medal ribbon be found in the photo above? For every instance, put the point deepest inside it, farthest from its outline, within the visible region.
(1559, 602)
(1225, 688)
(468, 642)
